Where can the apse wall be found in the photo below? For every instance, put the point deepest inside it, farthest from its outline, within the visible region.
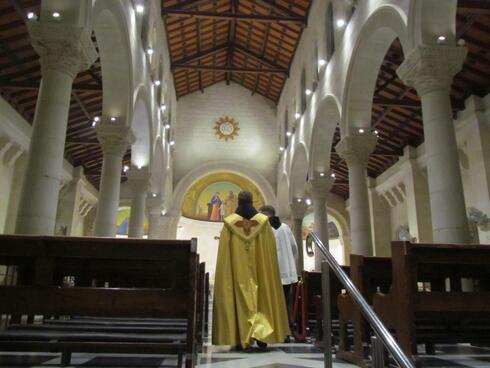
(196, 143)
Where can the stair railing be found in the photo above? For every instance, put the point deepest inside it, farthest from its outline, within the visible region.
(382, 335)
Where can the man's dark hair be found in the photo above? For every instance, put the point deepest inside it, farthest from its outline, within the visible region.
(245, 197)
(268, 209)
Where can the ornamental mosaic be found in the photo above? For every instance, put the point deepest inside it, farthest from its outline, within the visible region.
(226, 128)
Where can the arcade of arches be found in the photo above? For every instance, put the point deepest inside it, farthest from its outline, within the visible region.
(367, 121)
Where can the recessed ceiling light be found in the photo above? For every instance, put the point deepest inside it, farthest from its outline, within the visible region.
(140, 8)
(56, 15)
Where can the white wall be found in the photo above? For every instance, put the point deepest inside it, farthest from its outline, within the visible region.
(196, 143)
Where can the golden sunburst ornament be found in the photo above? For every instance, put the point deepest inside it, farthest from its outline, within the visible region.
(226, 128)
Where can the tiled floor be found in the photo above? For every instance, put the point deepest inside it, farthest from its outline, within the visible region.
(277, 356)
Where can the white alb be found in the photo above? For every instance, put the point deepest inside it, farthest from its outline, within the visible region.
(287, 250)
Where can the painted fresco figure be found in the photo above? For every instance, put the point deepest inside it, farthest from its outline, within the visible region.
(215, 207)
(249, 303)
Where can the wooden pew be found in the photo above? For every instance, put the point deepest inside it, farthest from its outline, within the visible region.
(171, 266)
(369, 275)
(312, 284)
(437, 316)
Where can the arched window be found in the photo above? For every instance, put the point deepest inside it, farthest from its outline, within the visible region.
(330, 32)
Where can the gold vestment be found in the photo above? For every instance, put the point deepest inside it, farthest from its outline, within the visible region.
(248, 296)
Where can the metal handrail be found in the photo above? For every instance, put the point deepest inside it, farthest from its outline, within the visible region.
(379, 328)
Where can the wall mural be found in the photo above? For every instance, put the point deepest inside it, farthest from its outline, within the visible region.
(215, 196)
(308, 225)
(123, 215)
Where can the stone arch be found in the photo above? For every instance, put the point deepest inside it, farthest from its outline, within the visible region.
(110, 25)
(378, 33)
(429, 19)
(282, 200)
(299, 172)
(326, 119)
(141, 128)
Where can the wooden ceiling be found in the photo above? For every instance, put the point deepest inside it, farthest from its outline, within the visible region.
(250, 42)
(397, 114)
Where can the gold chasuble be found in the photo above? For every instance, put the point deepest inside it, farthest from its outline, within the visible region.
(248, 297)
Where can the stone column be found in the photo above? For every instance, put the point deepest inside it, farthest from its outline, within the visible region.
(65, 50)
(298, 210)
(430, 70)
(139, 181)
(355, 150)
(155, 208)
(319, 188)
(115, 140)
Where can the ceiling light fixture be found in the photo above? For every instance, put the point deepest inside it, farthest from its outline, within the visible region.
(150, 51)
(299, 200)
(332, 175)
(308, 92)
(361, 130)
(96, 119)
(297, 115)
(322, 174)
(322, 62)
(441, 38)
(157, 82)
(31, 16)
(172, 143)
(340, 23)
(56, 15)
(140, 8)
(281, 148)
(308, 201)
(289, 134)
(113, 118)
(154, 195)
(163, 107)
(125, 168)
(167, 126)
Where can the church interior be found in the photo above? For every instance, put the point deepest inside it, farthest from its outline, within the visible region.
(128, 129)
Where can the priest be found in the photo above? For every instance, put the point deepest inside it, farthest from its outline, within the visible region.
(249, 302)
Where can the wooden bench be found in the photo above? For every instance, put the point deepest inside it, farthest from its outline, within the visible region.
(312, 284)
(42, 262)
(369, 275)
(437, 316)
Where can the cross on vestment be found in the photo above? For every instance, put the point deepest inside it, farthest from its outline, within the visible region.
(246, 225)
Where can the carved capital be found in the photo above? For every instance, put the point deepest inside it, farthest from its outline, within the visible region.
(429, 68)
(139, 179)
(114, 138)
(62, 46)
(298, 209)
(320, 187)
(355, 149)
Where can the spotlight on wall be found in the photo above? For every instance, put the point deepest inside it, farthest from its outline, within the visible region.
(332, 175)
(56, 15)
(172, 143)
(154, 195)
(308, 201)
(31, 16)
(167, 126)
(299, 200)
(308, 92)
(441, 39)
(361, 131)
(150, 51)
(297, 115)
(163, 107)
(125, 168)
(140, 8)
(289, 134)
(281, 148)
(96, 119)
(163, 212)
(113, 118)
(157, 82)
(322, 62)
(322, 174)
(340, 23)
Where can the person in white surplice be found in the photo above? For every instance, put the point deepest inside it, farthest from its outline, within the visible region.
(287, 251)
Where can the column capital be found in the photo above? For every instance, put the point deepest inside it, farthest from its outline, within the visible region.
(298, 209)
(355, 149)
(138, 179)
(62, 46)
(319, 187)
(429, 68)
(114, 138)
(155, 205)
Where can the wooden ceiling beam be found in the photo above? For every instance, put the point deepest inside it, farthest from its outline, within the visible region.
(231, 16)
(481, 7)
(203, 54)
(6, 84)
(277, 7)
(226, 69)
